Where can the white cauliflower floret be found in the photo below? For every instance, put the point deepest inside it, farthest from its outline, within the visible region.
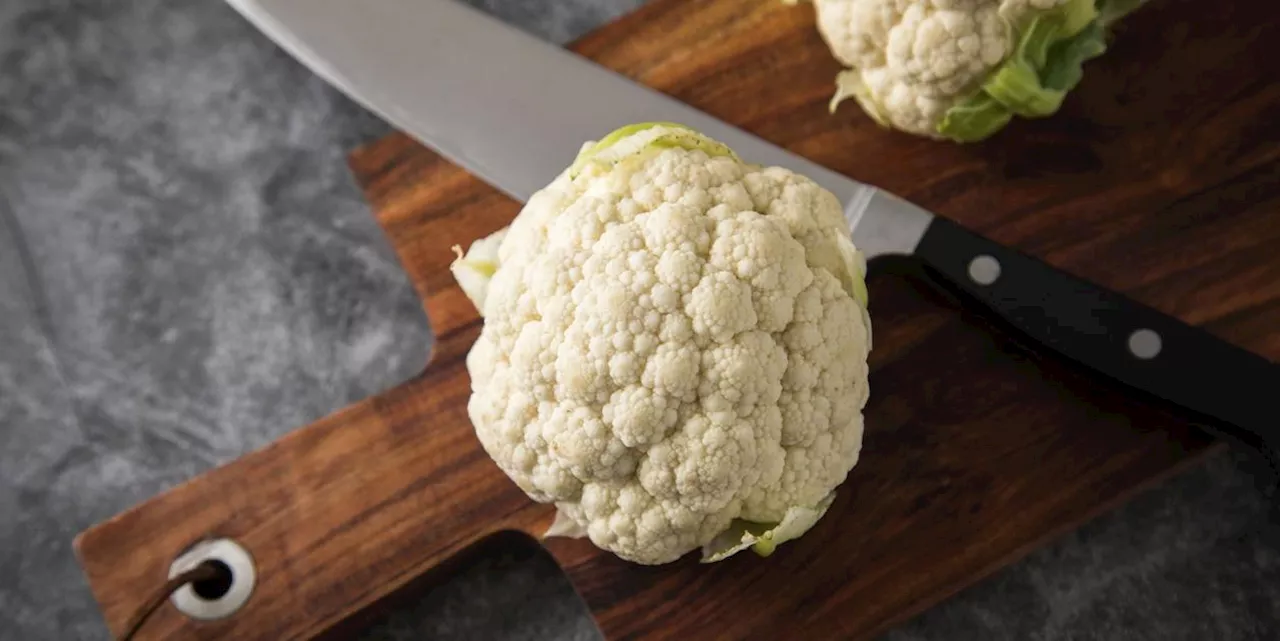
(912, 63)
(674, 347)
(913, 58)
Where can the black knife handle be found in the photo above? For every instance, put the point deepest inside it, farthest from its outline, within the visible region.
(1228, 390)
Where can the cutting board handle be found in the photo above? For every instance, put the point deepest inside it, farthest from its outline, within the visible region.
(336, 515)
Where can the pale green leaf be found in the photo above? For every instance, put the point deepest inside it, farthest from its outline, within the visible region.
(474, 269)
(764, 538)
(565, 527)
(637, 139)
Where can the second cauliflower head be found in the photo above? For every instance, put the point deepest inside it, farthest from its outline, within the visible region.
(961, 69)
(674, 348)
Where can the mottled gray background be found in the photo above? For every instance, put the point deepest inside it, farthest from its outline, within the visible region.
(187, 272)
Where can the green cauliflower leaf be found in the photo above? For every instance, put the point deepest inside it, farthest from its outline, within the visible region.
(764, 538)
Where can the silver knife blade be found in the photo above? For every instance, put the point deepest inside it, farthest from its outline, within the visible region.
(514, 110)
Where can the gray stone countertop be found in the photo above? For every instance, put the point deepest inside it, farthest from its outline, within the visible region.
(187, 272)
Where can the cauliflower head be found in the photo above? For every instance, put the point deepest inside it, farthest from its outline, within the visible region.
(674, 347)
(962, 69)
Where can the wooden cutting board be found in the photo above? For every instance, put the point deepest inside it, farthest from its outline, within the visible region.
(1158, 179)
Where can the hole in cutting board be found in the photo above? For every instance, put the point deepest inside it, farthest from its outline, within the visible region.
(217, 587)
(505, 588)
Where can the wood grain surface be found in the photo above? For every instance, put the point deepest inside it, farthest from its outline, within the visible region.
(1157, 179)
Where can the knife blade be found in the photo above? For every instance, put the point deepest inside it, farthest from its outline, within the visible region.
(514, 110)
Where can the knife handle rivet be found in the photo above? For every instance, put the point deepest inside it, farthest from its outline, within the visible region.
(1144, 344)
(984, 269)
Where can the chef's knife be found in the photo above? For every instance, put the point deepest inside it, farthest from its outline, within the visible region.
(514, 110)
